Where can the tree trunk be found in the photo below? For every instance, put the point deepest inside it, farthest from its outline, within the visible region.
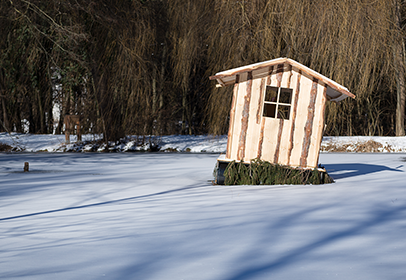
(41, 114)
(399, 62)
(161, 87)
(5, 118)
(184, 112)
(3, 101)
(154, 94)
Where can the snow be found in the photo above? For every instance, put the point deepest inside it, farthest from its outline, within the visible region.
(158, 216)
(173, 143)
(351, 143)
(186, 143)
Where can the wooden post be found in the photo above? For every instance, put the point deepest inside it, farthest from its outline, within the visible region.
(70, 121)
(66, 121)
(67, 136)
(26, 166)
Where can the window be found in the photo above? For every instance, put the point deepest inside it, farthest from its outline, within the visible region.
(277, 102)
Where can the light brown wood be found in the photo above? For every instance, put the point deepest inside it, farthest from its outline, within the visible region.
(279, 75)
(278, 143)
(244, 120)
(261, 139)
(290, 70)
(221, 83)
(282, 149)
(70, 121)
(271, 126)
(301, 118)
(284, 144)
(309, 125)
(253, 131)
(242, 87)
(268, 79)
(263, 120)
(248, 68)
(321, 78)
(295, 141)
(232, 118)
(261, 100)
(266, 64)
(294, 113)
(319, 129)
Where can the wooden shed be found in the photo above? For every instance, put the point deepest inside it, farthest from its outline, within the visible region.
(277, 112)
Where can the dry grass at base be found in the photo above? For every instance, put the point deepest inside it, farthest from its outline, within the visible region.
(369, 146)
(259, 172)
(5, 147)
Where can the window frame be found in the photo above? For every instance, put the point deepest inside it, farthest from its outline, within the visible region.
(268, 104)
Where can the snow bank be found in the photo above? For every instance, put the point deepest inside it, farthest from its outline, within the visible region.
(184, 143)
(361, 144)
(92, 143)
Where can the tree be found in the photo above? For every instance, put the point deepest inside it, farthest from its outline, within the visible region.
(142, 67)
(399, 66)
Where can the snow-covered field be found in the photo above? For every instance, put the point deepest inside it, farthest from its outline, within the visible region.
(157, 216)
(56, 143)
(184, 143)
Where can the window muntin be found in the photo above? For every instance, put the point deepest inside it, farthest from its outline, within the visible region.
(277, 102)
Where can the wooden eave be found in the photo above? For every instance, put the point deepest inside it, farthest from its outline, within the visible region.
(228, 77)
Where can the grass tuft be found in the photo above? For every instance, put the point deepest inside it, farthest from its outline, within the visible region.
(264, 173)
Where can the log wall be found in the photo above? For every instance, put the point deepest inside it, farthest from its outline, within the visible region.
(294, 142)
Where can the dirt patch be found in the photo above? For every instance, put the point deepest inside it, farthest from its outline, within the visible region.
(335, 148)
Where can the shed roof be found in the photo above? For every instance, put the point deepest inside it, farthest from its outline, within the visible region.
(335, 91)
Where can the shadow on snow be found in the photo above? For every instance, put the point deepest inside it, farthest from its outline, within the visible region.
(343, 170)
(102, 203)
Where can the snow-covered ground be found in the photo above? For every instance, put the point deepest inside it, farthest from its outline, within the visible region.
(184, 143)
(363, 144)
(56, 143)
(158, 216)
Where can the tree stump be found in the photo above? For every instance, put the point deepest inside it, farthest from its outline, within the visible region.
(26, 166)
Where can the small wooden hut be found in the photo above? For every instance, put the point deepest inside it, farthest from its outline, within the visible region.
(277, 112)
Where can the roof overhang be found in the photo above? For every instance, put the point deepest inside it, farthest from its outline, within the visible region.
(335, 91)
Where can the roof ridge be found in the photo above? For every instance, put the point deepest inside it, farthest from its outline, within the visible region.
(281, 60)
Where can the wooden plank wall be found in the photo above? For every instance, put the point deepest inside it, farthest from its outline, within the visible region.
(232, 116)
(254, 127)
(294, 142)
(239, 93)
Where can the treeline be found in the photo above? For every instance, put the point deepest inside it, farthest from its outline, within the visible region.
(142, 66)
